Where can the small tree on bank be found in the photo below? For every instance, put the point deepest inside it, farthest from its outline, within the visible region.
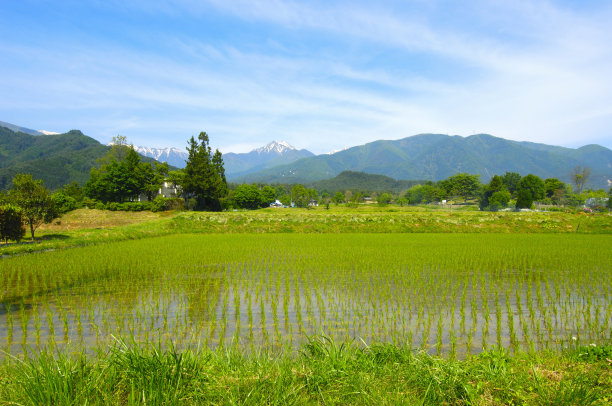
(34, 199)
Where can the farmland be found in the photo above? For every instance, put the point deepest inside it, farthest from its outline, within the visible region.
(272, 281)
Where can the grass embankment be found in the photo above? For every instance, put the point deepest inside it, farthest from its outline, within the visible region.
(86, 226)
(323, 373)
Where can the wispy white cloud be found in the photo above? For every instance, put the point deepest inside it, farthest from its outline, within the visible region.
(524, 70)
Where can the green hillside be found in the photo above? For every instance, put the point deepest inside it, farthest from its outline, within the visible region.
(361, 181)
(437, 156)
(57, 159)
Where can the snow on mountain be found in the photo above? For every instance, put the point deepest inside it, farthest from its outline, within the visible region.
(272, 154)
(336, 150)
(278, 147)
(45, 132)
(174, 156)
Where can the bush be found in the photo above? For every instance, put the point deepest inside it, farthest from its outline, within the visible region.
(158, 204)
(64, 203)
(11, 223)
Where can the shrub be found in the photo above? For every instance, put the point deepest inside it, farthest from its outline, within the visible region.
(11, 223)
(158, 204)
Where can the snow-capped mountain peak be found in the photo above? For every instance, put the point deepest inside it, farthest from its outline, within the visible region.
(174, 156)
(278, 147)
(158, 152)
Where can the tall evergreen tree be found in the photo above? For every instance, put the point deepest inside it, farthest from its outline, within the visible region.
(204, 175)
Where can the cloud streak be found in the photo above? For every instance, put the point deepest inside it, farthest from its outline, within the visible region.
(323, 77)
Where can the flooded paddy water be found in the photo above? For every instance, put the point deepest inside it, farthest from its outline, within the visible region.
(450, 294)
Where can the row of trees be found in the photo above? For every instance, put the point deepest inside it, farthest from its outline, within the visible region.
(501, 191)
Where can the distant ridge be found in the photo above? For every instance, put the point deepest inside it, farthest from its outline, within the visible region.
(24, 130)
(438, 156)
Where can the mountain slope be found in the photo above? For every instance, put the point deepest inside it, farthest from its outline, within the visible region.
(57, 159)
(438, 156)
(273, 154)
(17, 128)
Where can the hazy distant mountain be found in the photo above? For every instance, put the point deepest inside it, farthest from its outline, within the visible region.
(173, 156)
(237, 166)
(438, 156)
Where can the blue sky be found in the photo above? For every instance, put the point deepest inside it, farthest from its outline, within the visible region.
(322, 75)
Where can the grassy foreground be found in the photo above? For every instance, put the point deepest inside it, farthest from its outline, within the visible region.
(323, 372)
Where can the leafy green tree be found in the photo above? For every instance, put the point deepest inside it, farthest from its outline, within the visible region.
(63, 202)
(153, 177)
(204, 177)
(610, 199)
(499, 199)
(34, 199)
(462, 185)
(73, 190)
(121, 176)
(300, 196)
(338, 198)
(384, 199)
(268, 195)
(552, 185)
(511, 181)
(530, 188)
(11, 223)
(248, 196)
(495, 185)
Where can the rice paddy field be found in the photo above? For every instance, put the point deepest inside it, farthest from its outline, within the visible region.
(450, 295)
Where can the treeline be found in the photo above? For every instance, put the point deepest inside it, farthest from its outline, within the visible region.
(510, 190)
(121, 181)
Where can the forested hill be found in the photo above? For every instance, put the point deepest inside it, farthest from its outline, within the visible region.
(57, 159)
(361, 182)
(437, 156)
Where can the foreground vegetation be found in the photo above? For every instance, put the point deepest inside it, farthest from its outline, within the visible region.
(364, 305)
(324, 372)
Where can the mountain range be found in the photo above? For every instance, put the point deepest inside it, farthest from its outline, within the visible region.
(173, 156)
(438, 156)
(59, 159)
(236, 164)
